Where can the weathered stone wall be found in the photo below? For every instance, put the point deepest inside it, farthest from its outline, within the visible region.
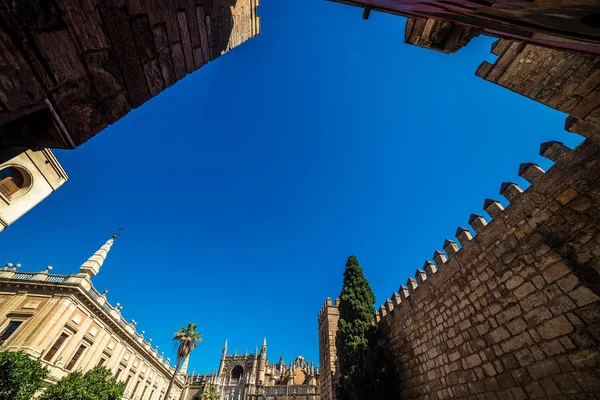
(90, 62)
(566, 81)
(434, 34)
(328, 326)
(562, 24)
(515, 312)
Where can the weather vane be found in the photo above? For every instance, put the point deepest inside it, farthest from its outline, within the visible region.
(118, 233)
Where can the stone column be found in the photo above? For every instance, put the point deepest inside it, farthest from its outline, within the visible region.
(54, 324)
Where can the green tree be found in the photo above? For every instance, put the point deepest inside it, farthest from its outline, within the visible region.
(361, 359)
(186, 340)
(20, 375)
(211, 394)
(96, 384)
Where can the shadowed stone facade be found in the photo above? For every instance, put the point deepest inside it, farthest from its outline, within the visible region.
(563, 24)
(514, 312)
(70, 68)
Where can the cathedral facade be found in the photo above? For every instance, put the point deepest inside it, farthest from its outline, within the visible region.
(252, 376)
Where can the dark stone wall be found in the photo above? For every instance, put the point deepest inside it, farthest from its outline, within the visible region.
(89, 62)
(515, 312)
(561, 24)
(434, 34)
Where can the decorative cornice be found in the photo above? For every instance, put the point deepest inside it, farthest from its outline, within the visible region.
(67, 289)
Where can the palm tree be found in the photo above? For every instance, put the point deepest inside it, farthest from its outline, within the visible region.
(186, 340)
(211, 394)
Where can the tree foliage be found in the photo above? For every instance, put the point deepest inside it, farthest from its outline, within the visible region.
(96, 384)
(211, 394)
(20, 375)
(185, 340)
(361, 359)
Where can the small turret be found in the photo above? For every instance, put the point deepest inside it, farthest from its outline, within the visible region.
(223, 355)
(262, 363)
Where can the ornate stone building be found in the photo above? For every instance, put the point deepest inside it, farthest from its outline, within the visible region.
(252, 376)
(26, 179)
(69, 326)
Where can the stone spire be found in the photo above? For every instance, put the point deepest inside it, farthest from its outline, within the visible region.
(262, 363)
(92, 266)
(264, 346)
(223, 356)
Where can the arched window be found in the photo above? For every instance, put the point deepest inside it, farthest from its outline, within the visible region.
(12, 180)
(237, 372)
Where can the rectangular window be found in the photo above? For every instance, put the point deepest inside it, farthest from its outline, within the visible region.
(137, 384)
(127, 380)
(143, 392)
(151, 394)
(75, 357)
(10, 329)
(56, 346)
(101, 362)
(119, 371)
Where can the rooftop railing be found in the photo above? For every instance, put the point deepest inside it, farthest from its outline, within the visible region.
(113, 312)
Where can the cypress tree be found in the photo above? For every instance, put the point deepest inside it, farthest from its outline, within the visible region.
(356, 318)
(362, 362)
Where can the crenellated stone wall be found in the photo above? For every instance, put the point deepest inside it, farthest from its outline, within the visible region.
(514, 312)
(564, 80)
(69, 68)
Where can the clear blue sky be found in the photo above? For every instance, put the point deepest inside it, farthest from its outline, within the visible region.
(243, 188)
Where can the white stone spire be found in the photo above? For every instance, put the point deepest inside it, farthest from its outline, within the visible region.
(92, 266)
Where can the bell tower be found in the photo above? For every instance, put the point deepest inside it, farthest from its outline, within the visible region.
(26, 179)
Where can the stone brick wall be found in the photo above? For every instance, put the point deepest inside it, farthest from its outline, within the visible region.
(328, 325)
(89, 62)
(434, 34)
(514, 313)
(566, 81)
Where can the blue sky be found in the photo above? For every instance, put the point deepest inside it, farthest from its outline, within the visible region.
(243, 188)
